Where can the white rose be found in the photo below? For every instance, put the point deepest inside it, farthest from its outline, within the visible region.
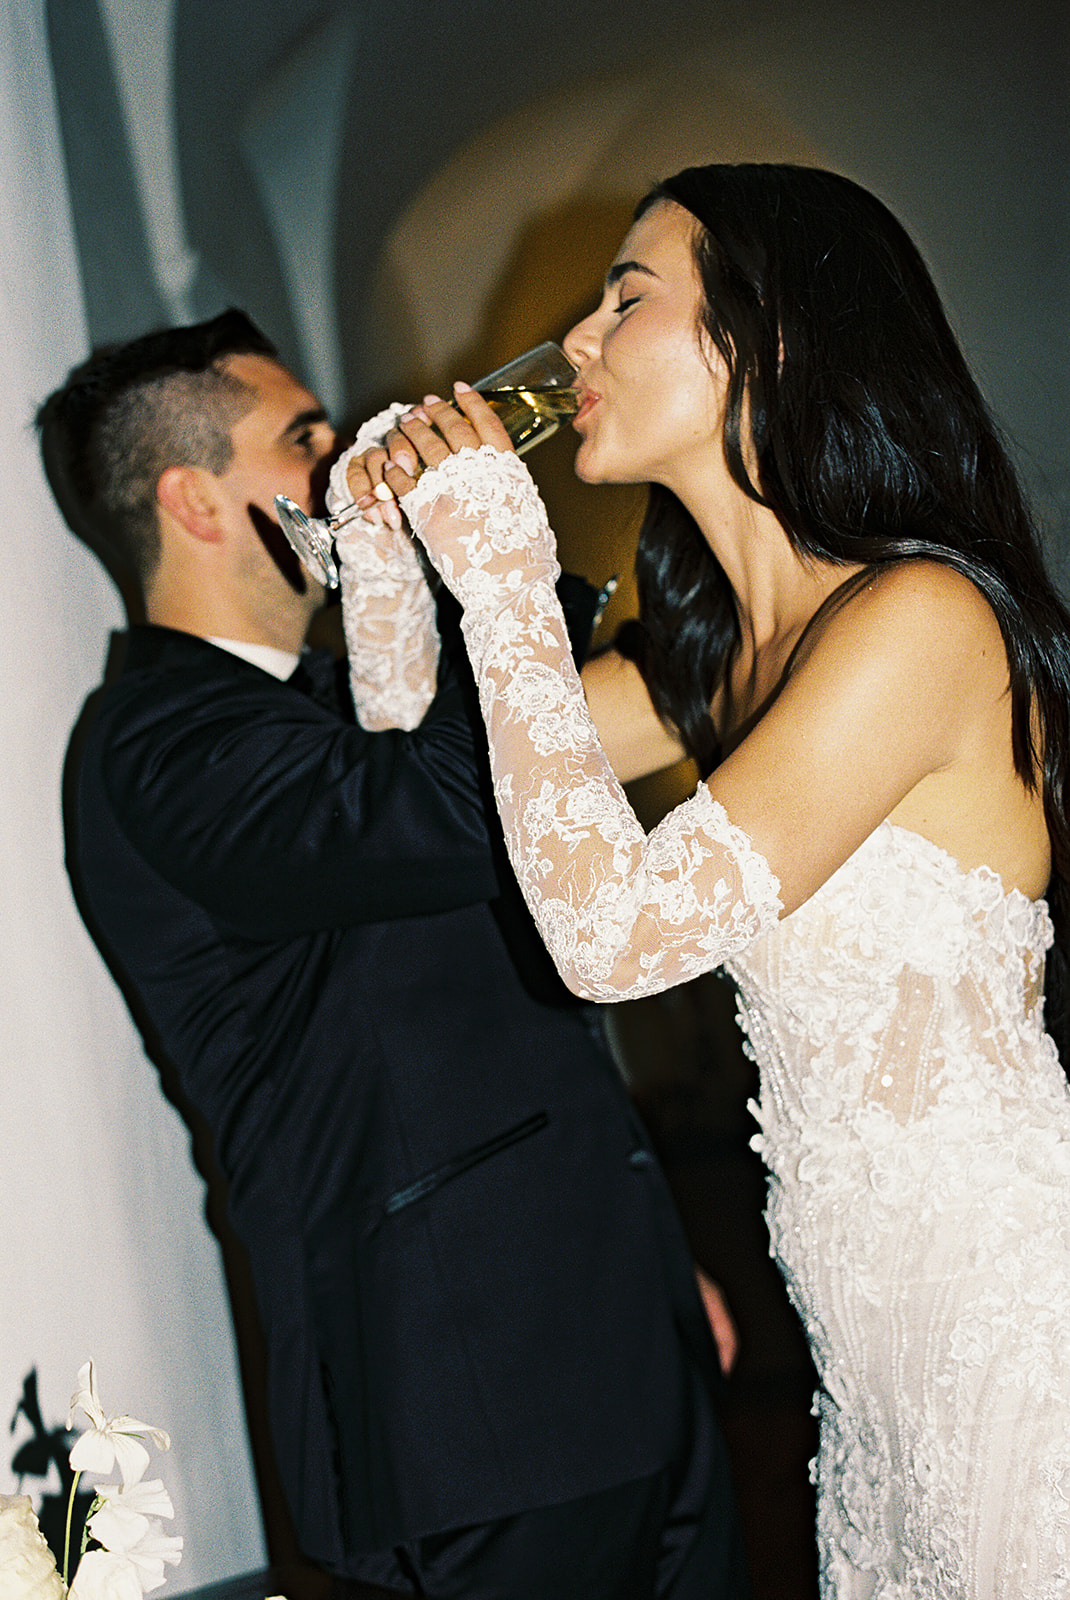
(27, 1565)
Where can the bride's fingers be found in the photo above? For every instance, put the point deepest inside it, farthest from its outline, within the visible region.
(402, 452)
(397, 481)
(467, 420)
(372, 498)
(363, 473)
(426, 435)
(406, 461)
(484, 420)
(454, 430)
(424, 430)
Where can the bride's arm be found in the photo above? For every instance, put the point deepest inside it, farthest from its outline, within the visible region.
(621, 914)
(630, 731)
(624, 914)
(391, 633)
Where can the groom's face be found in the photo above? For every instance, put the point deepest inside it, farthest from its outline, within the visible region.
(282, 440)
(282, 444)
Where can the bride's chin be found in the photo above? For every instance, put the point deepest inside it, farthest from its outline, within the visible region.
(585, 466)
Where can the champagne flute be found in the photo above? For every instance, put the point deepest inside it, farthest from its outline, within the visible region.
(532, 395)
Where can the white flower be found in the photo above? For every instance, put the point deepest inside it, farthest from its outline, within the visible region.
(110, 1439)
(127, 1525)
(27, 1565)
(122, 1521)
(154, 1549)
(104, 1576)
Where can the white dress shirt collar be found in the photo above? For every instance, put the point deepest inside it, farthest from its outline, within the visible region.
(280, 663)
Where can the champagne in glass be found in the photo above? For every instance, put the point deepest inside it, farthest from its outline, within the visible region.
(531, 415)
(532, 395)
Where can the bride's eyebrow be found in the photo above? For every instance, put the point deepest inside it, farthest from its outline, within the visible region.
(620, 268)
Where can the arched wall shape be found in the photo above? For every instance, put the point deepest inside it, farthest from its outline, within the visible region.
(508, 243)
(958, 121)
(448, 268)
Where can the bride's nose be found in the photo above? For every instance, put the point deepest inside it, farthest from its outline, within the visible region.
(580, 343)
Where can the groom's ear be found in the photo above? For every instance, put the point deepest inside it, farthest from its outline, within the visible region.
(190, 498)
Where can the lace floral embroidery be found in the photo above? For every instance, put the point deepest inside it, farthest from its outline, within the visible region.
(388, 610)
(622, 914)
(914, 1116)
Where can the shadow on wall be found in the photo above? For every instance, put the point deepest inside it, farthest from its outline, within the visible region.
(508, 243)
(509, 239)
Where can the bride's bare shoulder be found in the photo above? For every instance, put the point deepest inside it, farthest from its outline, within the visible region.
(918, 606)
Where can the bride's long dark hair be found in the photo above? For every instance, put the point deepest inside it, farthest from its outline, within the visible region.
(873, 444)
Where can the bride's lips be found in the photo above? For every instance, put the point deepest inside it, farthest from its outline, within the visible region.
(588, 400)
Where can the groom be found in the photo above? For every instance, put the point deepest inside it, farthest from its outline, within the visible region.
(489, 1369)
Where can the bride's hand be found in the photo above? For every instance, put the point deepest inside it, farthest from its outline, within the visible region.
(470, 500)
(422, 437)
(363, 476)
(356, 495)
(438, 428)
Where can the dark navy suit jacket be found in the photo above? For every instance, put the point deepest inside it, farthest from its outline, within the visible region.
(471, 1279)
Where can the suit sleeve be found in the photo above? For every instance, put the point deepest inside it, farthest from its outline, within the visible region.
(279, 818)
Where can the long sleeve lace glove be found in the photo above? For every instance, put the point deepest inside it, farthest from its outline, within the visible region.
(623, 914)
(388, 611)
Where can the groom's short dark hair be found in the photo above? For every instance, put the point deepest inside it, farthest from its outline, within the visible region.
(131, 411)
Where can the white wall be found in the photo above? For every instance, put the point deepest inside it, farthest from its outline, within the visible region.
(104, 1251)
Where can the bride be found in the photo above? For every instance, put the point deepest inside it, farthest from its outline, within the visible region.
(845, 620)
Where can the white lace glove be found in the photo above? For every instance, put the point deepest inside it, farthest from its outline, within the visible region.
(622, 914)
(388, 611)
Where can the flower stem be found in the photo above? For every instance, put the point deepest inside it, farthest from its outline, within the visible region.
(67, 1533)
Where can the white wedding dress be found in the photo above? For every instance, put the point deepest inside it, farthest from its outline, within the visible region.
(916, 1125)
(914, 1116)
